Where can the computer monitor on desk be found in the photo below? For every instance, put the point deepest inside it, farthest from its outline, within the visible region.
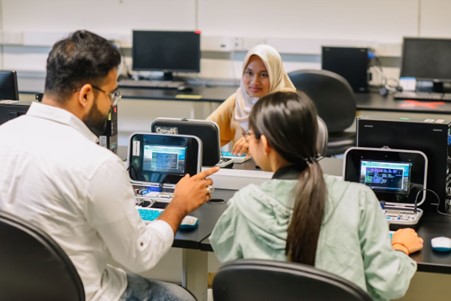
(166, 51)
(8, 85)
(427, 60)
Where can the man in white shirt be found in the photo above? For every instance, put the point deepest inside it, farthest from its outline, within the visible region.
(55, 175)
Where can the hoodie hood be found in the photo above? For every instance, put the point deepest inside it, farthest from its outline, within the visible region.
(268, 208)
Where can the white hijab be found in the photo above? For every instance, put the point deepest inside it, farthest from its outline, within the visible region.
(278, 81)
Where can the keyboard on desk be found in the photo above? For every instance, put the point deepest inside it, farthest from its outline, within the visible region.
(189, 222)
(150, 84)
(429, 96)
(149, 214)
(403, 217)
(154, 197)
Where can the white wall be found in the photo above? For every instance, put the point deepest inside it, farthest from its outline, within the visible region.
(297, 27)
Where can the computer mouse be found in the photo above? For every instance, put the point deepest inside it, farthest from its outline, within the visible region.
(189, 222)
(184, 89)
(441, 244)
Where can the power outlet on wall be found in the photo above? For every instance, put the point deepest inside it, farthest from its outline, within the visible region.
(217, 43)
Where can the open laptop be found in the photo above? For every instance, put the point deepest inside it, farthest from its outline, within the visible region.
(206, 130)
(398, 178)
(156, 162)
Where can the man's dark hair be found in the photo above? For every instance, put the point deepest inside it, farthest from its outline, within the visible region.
(81, 58)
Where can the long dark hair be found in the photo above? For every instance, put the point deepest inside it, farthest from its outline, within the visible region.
(288, 120)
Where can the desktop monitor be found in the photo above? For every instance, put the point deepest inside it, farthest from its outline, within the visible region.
(350, 62)
(427, 59)
(8, 85)
(166, 51)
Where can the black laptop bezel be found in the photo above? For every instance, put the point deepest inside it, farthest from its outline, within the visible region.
(418, 160)
(207, 131)
(135, 157)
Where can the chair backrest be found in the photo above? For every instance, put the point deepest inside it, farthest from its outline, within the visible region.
(253, 279)
(33, 266)
(323, 137)
(332, 95)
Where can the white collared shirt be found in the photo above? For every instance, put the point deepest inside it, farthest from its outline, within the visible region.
(54, 175)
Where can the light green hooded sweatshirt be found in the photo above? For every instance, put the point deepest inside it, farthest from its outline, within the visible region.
(354, 241)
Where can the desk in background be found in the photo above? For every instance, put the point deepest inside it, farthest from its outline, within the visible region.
(140, 107)
(216, 94)
(364, 101)
(378, 105)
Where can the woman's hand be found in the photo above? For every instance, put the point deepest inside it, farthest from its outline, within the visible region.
(240, 147)
(407, 241)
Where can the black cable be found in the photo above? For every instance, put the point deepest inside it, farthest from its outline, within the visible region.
(416, 199)
(438, 201)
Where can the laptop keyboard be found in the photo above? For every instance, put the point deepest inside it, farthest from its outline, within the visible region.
(154, 197)
(159, 197)
(149, 214)
(189, 222)
(406, 217)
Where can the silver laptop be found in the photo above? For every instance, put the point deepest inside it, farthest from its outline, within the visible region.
(397, 177)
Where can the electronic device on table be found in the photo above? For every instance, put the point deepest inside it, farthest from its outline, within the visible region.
(235, 158)
(441, 244)
(428, 135)
(166, 51)
(150, 214)
(397, 177)
(427, 61)
(8, 85)
(10, 109)
(207, 131)
(158, 161)
(350, 62)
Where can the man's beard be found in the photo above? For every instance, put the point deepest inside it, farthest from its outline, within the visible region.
(95, 121)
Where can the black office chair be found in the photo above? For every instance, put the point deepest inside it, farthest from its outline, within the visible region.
(33, 266)
(335, 102)
(254, 279)
(323, 137)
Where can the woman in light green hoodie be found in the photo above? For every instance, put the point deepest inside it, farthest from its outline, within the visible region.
(304, 216)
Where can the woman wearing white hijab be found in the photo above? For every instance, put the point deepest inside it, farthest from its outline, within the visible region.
(263, 73)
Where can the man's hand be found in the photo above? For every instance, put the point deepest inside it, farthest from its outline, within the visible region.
(190, 193)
